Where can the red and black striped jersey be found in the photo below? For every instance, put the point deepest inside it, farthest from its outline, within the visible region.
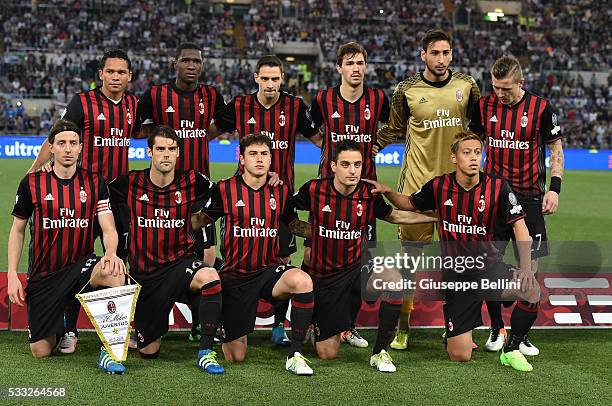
(62, 214)
(516, 138)
(250, 221)
(468, 216)
(189, 114)
(158, 219)
(107, 126)
(281, 122)
(345, 120)
(339, 223)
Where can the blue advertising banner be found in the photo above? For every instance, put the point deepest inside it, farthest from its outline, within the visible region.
(306, 153)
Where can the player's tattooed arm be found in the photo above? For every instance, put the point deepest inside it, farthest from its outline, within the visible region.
(409, 217)
(556, 158)
(300, 228)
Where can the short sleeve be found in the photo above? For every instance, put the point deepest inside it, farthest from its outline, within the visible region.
(385, 111)
(316, 116)
(476, 124)
(289, 214)
(227, 118)
(381, 208)
(23, 200)
(424, 198)
(550, 130)
(301, 198)
(510, 209)
(74, 111)
(214, 206)
(305, 125)
(144, 111)
(219, 105)
(103, 204)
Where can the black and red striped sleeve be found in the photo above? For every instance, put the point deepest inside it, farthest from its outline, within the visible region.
(23, 201)
(74, 111)
(424, 198)
(510, 209)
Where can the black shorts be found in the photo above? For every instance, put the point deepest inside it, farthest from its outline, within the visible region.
(204, 238)
(332, 303)
(47, 297)
(286, 241)
(536, 224)
(158, 294)
(240, 298)
(462, 309)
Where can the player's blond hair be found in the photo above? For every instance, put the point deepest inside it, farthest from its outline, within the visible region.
(507, 66)
(464, 136)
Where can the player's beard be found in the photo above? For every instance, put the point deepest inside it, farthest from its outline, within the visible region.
(435, 72)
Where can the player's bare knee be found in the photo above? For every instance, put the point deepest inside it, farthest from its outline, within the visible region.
(327, 353)
(151, 349)
(300, 281)
(204, 276)
(459, 355)
(40, 350)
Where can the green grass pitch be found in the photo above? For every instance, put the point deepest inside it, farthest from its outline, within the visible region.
(572, 368)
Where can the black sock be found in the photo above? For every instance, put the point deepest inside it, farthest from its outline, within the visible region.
(210, 313)
(71, 315)
(523, 316)
(301, 316)
(387, 322)
(195, 314)
(280, 311)
(495, 313)
(355, 306)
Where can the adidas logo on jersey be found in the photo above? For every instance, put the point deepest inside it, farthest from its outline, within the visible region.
(251, 121)
(493, 119)
(144, 198)
(335, 115)
(326, 209)
(423, 100)
(169, 109)
(101, 117)
(239, 203)
(49, 197)
(449, 202)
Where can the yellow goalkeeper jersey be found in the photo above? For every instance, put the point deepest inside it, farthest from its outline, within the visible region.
(430, 114)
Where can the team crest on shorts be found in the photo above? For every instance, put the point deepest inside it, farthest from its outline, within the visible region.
(459, 95)
(111, 307)
(359, 209)
(481, 204)
(82, 196)
(450, 326)
(273, 203)
(317, 331)
(201, 107)
(140, 338)
(524, 121)
(178, 197)
(282, 119)
(366, 113)
(129, 118)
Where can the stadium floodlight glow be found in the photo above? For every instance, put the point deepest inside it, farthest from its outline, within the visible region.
(290, 59)
(381, 11)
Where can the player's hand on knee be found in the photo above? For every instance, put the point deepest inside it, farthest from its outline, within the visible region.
(527, 280)
(15, 290)
(274, 179)
(112, 265)
(550, 202)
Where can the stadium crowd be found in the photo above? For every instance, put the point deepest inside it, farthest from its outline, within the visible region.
(51, 51)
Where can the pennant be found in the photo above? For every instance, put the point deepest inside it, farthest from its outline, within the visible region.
(111, 312)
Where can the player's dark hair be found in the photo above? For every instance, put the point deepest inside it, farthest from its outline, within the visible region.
(345, 145)
(269, 60)
(350, 49)
(115, 53)
(434, 36)
(507, 66)
(464, 136)
(257, 139)
(61, 126)
(186, 45)
(165, 132)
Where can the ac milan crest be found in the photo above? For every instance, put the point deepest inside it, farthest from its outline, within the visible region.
(201, 107)
(178, 197)
(366, 113)
(359, 209)
(459, 95)
(129, 118)
(273, 203)
(524, 121)
(281, 119)
(481, 204)
(83, 196)
(111, 307)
